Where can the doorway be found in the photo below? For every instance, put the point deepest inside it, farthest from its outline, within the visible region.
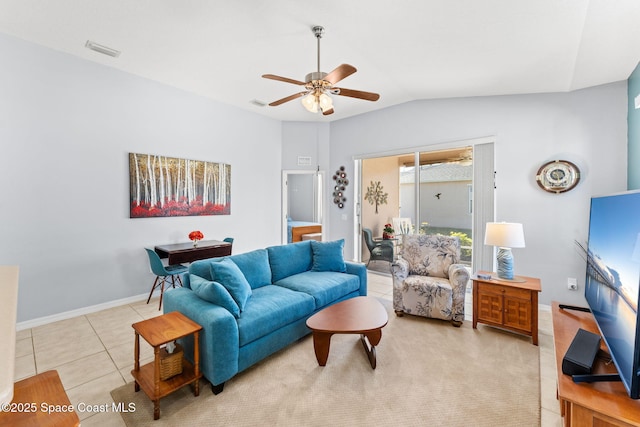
(447, 190)
(302, 204)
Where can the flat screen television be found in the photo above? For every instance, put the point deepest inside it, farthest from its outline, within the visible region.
(613, 280)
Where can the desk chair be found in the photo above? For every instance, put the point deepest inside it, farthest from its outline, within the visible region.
(162, 272)
(229, 240)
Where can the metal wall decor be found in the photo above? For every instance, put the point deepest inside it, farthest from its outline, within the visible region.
(341, 184)
(376, 195)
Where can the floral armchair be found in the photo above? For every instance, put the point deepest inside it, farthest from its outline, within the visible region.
(427, 279)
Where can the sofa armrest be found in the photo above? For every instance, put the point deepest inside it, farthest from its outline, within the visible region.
(458, 277)
(219, 338)
(360, 270)
(399, 270)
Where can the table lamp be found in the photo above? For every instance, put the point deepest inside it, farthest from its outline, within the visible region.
(504, 235)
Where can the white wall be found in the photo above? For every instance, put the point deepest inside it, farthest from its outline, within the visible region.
(67, 125)
(66, 128)
(587, 127)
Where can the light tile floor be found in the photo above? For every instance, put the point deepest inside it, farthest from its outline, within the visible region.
(93, 354)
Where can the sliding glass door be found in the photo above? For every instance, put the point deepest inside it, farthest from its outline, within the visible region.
(430, 192)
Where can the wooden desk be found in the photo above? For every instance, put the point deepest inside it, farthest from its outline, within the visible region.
(511, 305)
(186, 252)
(589, 404)
(39, 401)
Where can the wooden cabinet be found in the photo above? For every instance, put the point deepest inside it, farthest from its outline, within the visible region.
(511, 305)
(602, 404)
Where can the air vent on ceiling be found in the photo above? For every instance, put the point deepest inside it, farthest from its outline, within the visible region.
(258, 102)
(102, 49)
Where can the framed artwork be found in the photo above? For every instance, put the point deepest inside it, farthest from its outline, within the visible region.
(161, 186)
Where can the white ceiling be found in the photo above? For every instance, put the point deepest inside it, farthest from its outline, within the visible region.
(404, 50)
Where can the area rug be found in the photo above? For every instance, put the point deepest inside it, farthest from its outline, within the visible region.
(428, 373)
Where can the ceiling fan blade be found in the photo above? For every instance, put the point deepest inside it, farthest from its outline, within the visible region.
(287, 99)
(329, 111)
(283, 79)
(369, 96)
(341, 72)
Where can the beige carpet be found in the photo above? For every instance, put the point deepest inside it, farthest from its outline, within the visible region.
(429, 374)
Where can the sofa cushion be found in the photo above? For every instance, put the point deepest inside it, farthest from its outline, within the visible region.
(270, 308)
(328, 256)
(227, 273)
(325, 286)
(215, 293)
(287, 260)
(255, 267)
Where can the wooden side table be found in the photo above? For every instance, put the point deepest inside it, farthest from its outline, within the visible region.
(158, 331)
(507, 304)
(39, 401)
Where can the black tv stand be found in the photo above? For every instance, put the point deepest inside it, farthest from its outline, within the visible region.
(595, 378)
(574, 307)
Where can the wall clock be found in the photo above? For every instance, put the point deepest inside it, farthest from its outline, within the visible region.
(558, 176)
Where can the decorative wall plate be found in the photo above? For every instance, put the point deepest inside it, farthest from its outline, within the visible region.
(558, 176)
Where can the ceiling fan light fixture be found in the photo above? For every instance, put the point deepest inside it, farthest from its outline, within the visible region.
(325, 101)
(310, 102)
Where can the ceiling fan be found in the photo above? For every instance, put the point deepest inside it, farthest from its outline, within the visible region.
(319, 85)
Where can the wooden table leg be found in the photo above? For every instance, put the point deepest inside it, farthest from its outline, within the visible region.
(156, 382)
(373, 339)
(136, 360)
(196, 362)
(156, 409)
(321, 344)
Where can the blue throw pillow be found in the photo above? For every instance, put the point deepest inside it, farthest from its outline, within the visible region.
(215, 293)
(227, 273)
(255, 267)
(328, 256)
(290, 259)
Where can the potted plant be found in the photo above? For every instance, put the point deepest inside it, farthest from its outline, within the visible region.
(387, 232)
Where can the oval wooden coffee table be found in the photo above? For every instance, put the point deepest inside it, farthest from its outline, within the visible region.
(359, 315)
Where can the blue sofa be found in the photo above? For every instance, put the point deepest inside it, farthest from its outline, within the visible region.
(253, 304)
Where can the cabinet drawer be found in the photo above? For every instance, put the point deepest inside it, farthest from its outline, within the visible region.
(503, 290)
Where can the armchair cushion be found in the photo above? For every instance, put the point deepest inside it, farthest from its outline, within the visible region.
(430, 255)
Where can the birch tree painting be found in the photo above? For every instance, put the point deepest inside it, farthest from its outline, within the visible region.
(168, 186)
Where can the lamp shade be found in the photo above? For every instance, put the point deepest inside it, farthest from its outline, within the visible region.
(310, 102)
(504, 234)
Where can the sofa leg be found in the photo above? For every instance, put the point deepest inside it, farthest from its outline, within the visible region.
(399, 313)
(456, 323)
(217, 389)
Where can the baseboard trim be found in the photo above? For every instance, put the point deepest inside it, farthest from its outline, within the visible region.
(27, 324)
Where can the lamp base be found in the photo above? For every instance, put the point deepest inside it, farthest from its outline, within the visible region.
(505, 263)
